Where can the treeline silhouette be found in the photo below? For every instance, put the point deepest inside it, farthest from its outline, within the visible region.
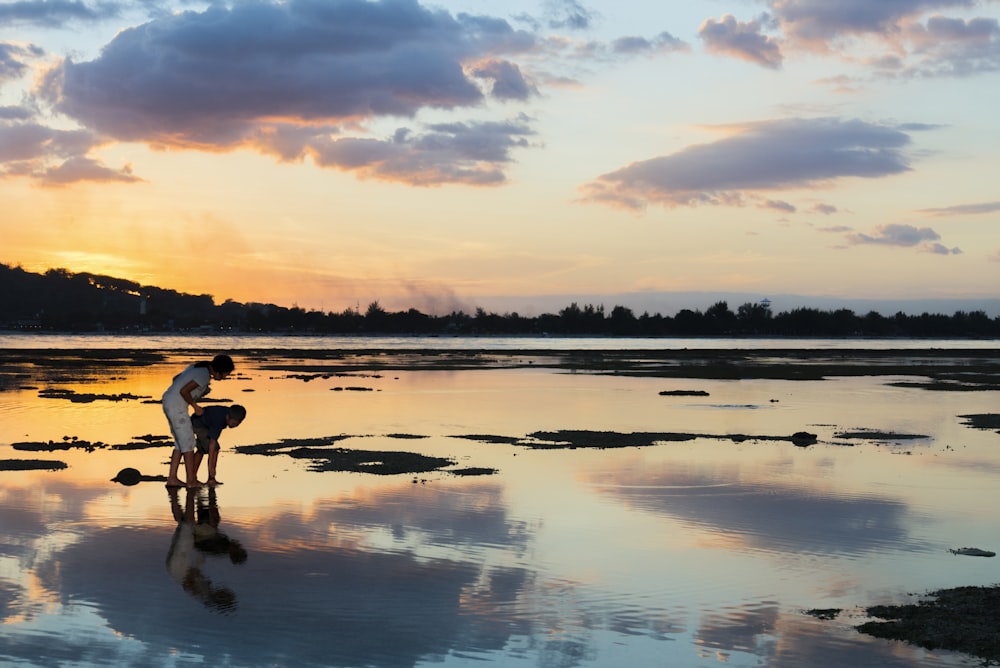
(60, 300)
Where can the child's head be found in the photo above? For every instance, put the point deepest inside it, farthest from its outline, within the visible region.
(236, 415)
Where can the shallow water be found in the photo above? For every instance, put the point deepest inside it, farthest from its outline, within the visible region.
(683, 553)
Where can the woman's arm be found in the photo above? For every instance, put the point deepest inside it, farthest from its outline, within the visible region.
(186, 394)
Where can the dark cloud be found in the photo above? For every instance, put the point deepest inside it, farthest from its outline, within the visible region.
(13, 113)
(955, 47)
(906, 236)
(469, 153)
(568, 14)
(13, 59)
(825, 209)
(227, 77)
(53, 157)
(964, 209)
(80, 168)
(762, 156)
(54, 13)
(31, 141)
(664, 42)
(778, 205)
(210, 77)
(744, 40)
(821, 21)
(508, 82)
(938, 46)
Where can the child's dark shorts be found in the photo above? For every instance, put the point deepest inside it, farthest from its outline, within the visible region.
(201, 439)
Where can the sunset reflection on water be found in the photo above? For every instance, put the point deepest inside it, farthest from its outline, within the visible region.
(691, 552)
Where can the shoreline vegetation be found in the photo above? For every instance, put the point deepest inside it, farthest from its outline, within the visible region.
(962, 619)
(61, 301)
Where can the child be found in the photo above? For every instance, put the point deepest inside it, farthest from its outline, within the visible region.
(189, 386)
(207, 428)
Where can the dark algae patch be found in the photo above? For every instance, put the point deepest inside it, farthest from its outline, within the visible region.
(86, 397)
(963, 619)
(68, 443)
(874, 435)
(582, 438)
(75, 443)
(982, 420)
(31, 465)
(379, 462)
(325, 458)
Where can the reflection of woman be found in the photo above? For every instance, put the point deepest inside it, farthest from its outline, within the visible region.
(184, 559)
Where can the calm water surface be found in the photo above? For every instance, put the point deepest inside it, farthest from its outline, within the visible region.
(701, 552)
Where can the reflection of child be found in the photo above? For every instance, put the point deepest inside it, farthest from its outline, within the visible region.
(207, 537)
(185, 558)
(189, 386)
(207, 428)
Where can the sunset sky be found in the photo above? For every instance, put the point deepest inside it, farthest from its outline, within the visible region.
(443, 155)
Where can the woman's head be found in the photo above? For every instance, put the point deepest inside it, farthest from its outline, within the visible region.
(222, 366)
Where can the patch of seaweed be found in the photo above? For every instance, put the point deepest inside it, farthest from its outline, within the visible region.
(490, 438)
(873, 435)
(582, 438)
(379, 462)
(963, 619)
(68, 443)
(282, 446)
(85, 398)
(982, 420)
(31, 465)
(473, 470)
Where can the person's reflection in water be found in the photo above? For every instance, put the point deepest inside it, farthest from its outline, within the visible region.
(196, 536)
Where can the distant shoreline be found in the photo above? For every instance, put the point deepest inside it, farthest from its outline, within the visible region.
(944, 369)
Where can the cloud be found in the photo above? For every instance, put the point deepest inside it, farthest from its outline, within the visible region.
(825, 209)
(964, 209)
(568, 14)
(662, 43)
(742, 40)
(13, 113)
(467, 153)
(508, 82)
(757, 157)
(30, 141)
(54, 13)
(13, 57)
(209, 78)
(226, 77)
(940, 46)
(820, 22)
(80, 168)
(954, 47)
(778, 205)
(906, 236)
(53, 157)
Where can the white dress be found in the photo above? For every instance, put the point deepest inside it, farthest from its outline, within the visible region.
(176, 408)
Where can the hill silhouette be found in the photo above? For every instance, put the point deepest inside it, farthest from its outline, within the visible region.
(60, 300)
